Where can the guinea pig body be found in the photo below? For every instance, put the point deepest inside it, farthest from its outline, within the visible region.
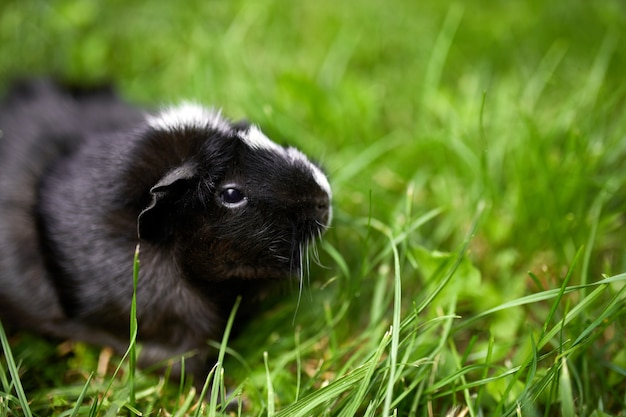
(219, 210)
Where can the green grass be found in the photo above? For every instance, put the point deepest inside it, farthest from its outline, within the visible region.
(476, 152)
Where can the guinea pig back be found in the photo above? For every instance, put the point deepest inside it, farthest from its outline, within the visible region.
(219, 210)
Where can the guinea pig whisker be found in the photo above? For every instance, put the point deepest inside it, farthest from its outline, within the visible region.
(314, 252)
(308, 268)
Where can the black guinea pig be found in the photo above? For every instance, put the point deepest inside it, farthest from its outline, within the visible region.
(219, 211)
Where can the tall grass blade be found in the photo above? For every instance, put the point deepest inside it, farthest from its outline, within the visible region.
(186, 403)
(542, 296)
(440, 50)
(271, 406)
(562, 289)
(81, 396)
(15, 375)
(395, 328)
(356, 399)
(132, 355)
(216, 386)
(309, 403)
(457, 262)
(565, 391)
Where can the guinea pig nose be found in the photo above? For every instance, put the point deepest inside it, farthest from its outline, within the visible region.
(322, 209)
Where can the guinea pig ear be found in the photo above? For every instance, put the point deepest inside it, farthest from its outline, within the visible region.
(158, 220)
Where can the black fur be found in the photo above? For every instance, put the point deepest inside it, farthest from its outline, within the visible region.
(84, 177)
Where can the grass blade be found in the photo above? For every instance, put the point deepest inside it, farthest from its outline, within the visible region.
(356, 399)
(81, 396)
(309, 403)
(565, 391)
(13, 371)
(271, 406)
(395, 328)
(216, 386)
(132, 355)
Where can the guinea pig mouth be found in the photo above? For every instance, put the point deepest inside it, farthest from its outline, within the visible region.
(275, 267)
(281, 258)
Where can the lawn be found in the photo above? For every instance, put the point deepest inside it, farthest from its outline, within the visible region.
(476, 151)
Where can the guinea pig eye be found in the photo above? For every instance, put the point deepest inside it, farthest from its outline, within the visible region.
(232, 197)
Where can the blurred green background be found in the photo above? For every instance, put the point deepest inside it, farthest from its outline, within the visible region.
(404, 80)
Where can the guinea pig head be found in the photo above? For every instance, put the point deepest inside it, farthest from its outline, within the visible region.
(238, 206)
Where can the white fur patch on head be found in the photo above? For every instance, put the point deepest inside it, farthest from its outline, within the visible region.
(256, 139)
(189, 115)
(192, 115)
(320, 178)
